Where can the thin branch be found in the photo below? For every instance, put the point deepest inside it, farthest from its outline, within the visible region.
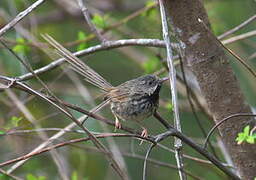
(94, 139)
(84, 139)
(224, 120)
(10, 175)
(145, 161)
(25, 111)
(106, 46)
(171, 132)
(243, 24)
(22, 132)
(243, 62)
(140, 157)
(172, 75)
(83, 6)
(20, 16)
(239, 37)
(199, 149)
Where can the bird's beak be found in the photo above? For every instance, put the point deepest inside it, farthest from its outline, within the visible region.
(164, 79)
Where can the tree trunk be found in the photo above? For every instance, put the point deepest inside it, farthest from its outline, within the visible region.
(207, 60)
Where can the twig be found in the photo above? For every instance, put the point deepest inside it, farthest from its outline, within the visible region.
(202, 151)
(224, 120)
(243, 62)
(83, 6)
(10, 175)
(106, 46)
(172, 75)
(145, 161)
(18, 132)
(239, 37)
(171, 131)
(243, 24)
(103, 135)
(29, 116)
(20, 16)
(55, 156)
(140, 157)
(162, 121)
(77, 122)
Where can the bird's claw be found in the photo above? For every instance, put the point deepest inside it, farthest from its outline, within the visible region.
(144, 134)
(117, 124)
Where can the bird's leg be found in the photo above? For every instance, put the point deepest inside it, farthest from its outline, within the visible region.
(144, 134)
(117, 123)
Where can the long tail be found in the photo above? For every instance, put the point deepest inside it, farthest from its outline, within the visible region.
(90, 75)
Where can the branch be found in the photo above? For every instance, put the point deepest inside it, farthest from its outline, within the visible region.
(224, 120)
(243, 24)
(199, 149)
(98, 144)
(9, 175)
(104, 135)
(172, 75)
(20, 16)
(171, 132)
(83, 6)
(242, 61)
(106, 46)
(239, 37)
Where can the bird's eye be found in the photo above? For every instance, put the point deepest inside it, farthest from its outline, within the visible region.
(150, 82)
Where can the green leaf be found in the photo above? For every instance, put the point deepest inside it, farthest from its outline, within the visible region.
(151, 13)
(99, 21)
(245, 136)
(21, 47)
(41, 178)
(82, 36)
(15, 120)
(169, 106)
(31, 177)
(250, 140)
(74, 176)
(151, 65)
(241, 138)
(247, 130)
(2, 132)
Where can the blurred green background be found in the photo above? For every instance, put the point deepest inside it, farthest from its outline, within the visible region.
(82, 160)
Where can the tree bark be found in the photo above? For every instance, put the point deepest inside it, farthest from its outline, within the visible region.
(207, 60)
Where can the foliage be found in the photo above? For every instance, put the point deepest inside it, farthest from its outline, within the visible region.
(169, 106)
(117, 66)
(82, 36)
(74, 176)
(151, 65)
(33, 177)
(152, 13)
(21, 46)
(100, 21)
(246, 136)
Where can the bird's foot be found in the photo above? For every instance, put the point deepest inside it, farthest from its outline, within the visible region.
(144, 134)
(117, 124)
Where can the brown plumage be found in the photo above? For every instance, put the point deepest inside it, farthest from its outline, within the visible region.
(135, 99)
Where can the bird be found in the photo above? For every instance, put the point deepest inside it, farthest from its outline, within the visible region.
(133, 100)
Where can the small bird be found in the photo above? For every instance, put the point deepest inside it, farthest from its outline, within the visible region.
(134, 100)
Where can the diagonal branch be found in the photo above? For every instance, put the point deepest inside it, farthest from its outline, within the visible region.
(20, 16)
(83, 6)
